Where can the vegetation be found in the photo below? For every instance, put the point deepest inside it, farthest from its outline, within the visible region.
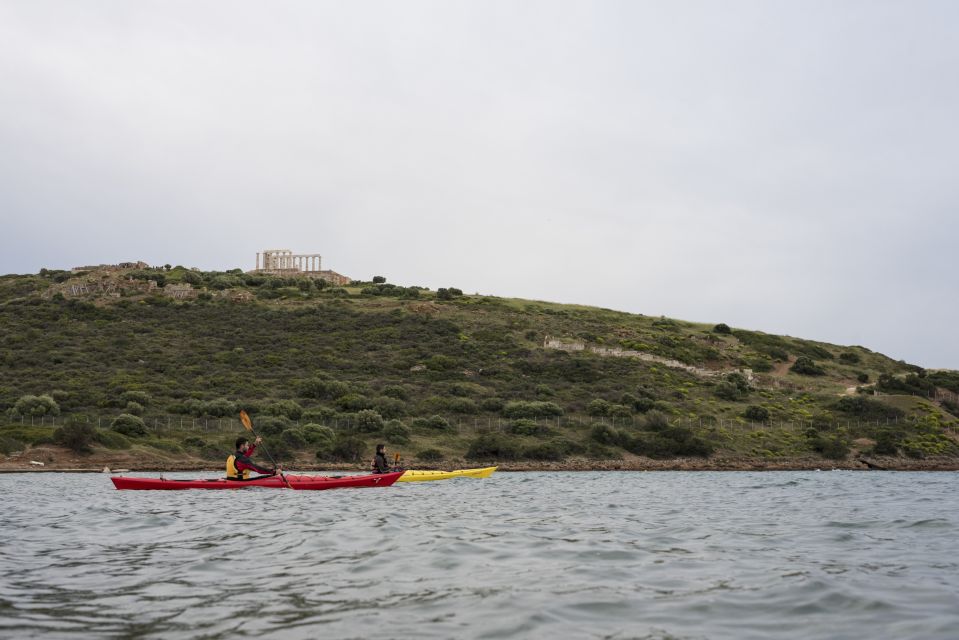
(327, 372)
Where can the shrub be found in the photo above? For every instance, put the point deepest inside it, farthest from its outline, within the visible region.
(722, 327)
(348, 448)
(756, 413)
(531, 410)
(378, 279)
(322, 389)
(316, 433)
(462, 405)
(492, 404)
(545, 451)
(287, 408)
(848, 357)
(433, 423)
(598, 407)
(604, 434)
(36, 406)
(369, 421)
(129, 425)
(863, 378)
(140, 397)
(887, 443)
(834, 446)
(293, 438)
(867, 408)
(134, 408)
(431, 455)
(8, 445)
(396, 432)
(76, 436)
(111, 439)
(194, 441)
(527, 427)
(271, 425)
(807, 366)
(397, 392)
(493, 446)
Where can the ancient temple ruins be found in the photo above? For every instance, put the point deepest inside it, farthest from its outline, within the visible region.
(283, 262)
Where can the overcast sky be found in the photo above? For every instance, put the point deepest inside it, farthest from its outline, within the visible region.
(786, 166)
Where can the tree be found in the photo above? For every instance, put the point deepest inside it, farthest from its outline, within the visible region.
(379, 279)
(129, 425)
(36, 406)
(722, 327)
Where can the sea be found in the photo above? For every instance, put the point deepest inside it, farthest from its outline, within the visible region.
(652, 555)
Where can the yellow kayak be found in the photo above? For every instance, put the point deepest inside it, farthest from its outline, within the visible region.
(423, 476)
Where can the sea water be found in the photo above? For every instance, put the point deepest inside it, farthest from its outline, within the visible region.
(828, 554)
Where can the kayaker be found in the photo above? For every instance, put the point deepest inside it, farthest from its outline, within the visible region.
(239, 465)
(379, 463)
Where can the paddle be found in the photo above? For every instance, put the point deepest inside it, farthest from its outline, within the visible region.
(248, 425)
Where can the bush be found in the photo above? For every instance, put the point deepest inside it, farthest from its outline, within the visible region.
(433, 423)
(8, 445)
(832, 446)
(430, 455)
(36, 406)
(807, 366)
(756, 413)
(271, 425)
(348, 448)
(848, 357)
(722, 327)
(531, 410)
(887, 443)
(863, 378)
(369, 421)
(867, 408)
(287, 408)
(396, 432)
(140, 397)
(293, 438)
(493, 446)
(527, 427)
(134, 408)
(111, 439)
(598, 407)
(129, 425)
(396, 391)
(76, 436)
(317, 433)
(378, 279)
(604, 434)
(322, 389)
(554, 450)
(462, 405)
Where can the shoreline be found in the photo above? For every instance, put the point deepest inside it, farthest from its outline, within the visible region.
(860, 463)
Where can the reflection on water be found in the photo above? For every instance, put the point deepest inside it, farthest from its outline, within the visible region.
(536, 555)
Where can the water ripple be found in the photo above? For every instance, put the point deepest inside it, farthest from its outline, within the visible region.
(591, 555)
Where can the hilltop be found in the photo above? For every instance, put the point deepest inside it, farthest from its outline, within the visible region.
(149, 366)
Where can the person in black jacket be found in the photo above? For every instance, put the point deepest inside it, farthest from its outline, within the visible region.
(379, 463)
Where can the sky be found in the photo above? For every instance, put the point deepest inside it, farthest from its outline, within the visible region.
(782, 166)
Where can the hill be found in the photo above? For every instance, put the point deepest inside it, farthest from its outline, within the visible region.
(156, 363)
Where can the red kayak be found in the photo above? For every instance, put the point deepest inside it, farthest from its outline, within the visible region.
(306, 483)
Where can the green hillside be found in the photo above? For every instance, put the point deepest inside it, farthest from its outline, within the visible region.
(444, 377)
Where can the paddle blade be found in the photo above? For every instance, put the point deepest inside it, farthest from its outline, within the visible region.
(245, 419)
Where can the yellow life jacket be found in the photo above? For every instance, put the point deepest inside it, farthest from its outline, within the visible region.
(231, 471)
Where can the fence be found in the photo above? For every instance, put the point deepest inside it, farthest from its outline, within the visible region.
(161, 423)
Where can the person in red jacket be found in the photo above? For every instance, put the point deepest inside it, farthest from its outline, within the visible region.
(240, 464)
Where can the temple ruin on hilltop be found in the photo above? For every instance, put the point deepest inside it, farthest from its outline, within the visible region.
(283, 262)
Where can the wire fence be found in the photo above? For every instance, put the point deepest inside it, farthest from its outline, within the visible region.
(477, 424)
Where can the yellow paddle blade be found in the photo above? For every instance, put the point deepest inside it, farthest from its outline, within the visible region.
(245, 419)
